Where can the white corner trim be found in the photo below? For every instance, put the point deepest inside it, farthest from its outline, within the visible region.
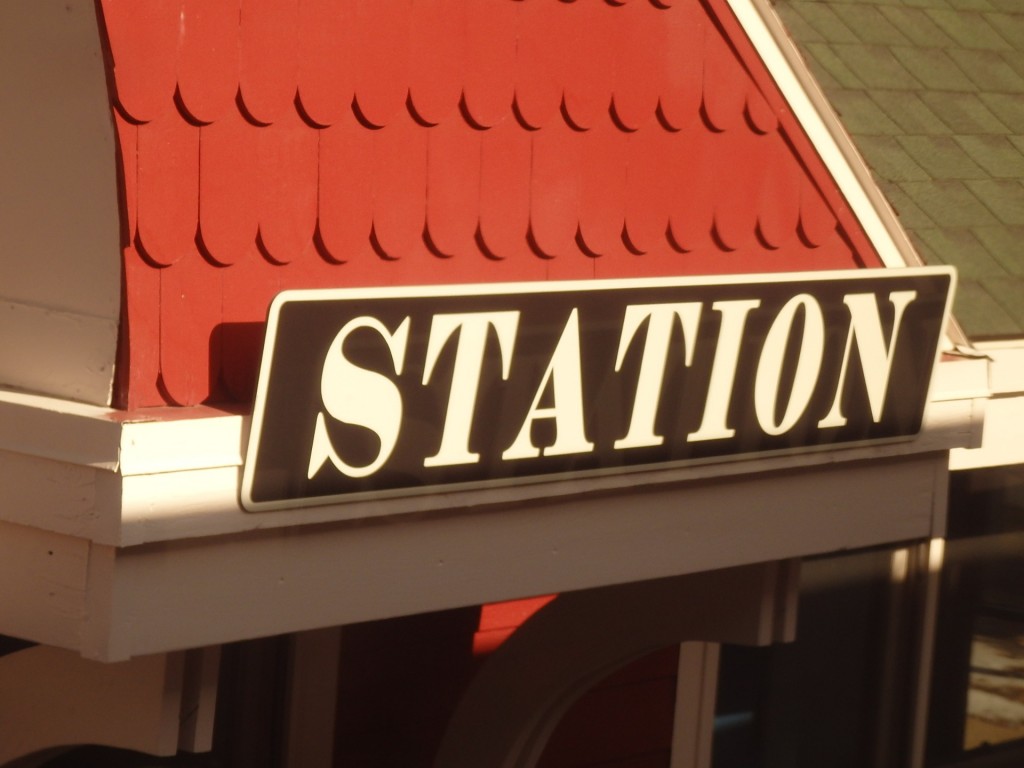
(1006, 369)
(166, 440)
(154, 447)
(167, 493)
(80, 522)
(60, 430)
(961, 378)
(812, 109)
(1002, 443)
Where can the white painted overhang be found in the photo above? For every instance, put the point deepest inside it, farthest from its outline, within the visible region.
(123, 479)
(1002, 443)
(121, 534)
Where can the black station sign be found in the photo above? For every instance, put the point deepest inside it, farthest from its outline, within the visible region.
(367, 393)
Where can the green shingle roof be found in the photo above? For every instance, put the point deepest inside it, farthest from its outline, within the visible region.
(932, 92)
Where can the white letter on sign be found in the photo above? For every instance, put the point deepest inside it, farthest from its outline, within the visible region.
(661, 319)
(473, 328)
(567, 379)
(808, 365)
(723, 370)
(355, 395)
(876, 360)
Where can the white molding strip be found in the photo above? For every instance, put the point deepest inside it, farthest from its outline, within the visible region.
(60, 430)
(124, 479)
(1002, 443)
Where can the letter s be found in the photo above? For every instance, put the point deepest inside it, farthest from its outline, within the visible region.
(357, 396)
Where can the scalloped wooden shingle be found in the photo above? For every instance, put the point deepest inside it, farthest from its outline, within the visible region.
(272, 145)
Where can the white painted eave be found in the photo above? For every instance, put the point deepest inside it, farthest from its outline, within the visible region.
(123, 479)
(153, 553)
(1002, 442)
(59, 430)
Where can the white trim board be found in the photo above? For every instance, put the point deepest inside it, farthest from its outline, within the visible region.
(200, 592)
(127, 479)
(124, 535)
(114, 603)
(1002, 442)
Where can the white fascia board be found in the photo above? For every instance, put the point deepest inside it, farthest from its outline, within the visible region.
(170, 474)
(198, 503)
(60, 430)
(961, 378)
(197, 593)
(163, 440)
(1002, 443)
(1006, 367)
(159, 446)
(812, 109)
(164, 503)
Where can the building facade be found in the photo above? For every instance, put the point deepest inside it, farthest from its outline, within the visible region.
(521, 383)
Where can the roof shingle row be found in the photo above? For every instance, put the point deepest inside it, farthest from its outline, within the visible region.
(271, 145)
(378, 58)
(232, 191)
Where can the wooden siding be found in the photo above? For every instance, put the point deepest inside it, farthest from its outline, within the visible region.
(272, 145)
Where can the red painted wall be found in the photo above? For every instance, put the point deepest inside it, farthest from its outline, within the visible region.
(271, 144)
(404, 677)
(625, 721)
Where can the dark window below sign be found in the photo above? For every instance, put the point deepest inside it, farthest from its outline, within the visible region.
(977, 704)
(840, 694)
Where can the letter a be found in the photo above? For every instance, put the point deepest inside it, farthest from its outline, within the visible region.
(567, 379)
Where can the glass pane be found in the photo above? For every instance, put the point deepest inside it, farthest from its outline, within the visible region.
(995, 691)
(977, 697)
(835, 697)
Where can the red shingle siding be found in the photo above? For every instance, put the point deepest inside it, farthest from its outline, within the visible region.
(499, 620)
(270, 145)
